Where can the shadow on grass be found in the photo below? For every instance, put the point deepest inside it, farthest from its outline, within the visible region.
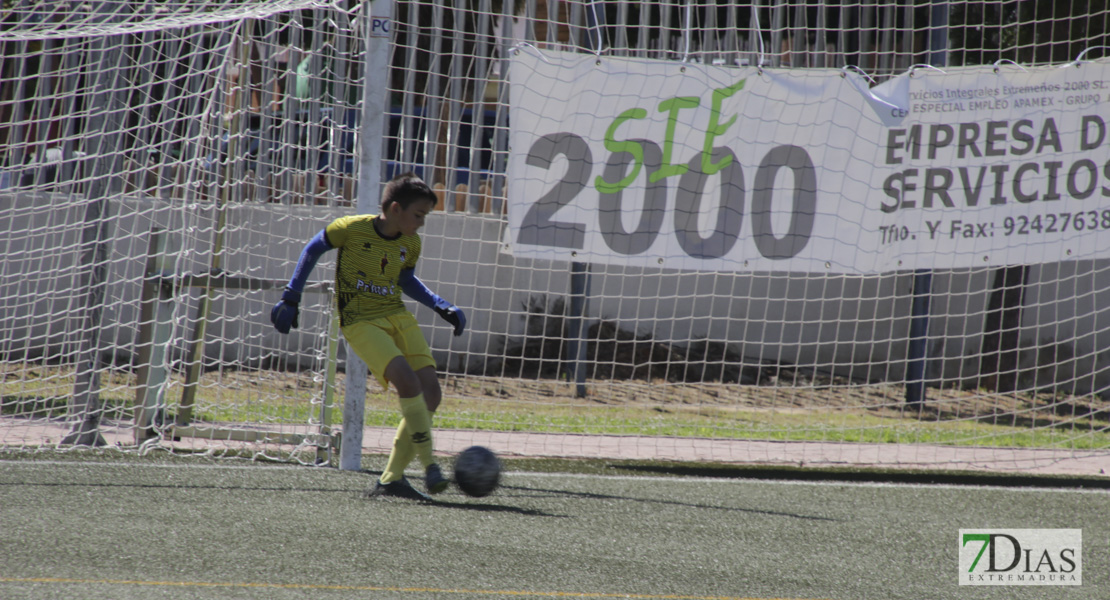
(864, 476)
(596, 496)
(475, 506)
(525, 491)
(173, 486)
(471, 506)
(493, 508)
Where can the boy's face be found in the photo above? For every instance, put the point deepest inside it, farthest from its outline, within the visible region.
(410, 220)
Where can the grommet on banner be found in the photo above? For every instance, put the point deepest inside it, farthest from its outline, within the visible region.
(1079, 59)
(913, 68)
(844, 73)
(515, 49)
(1002, 60)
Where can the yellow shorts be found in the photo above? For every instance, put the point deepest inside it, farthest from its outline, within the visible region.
(379, 341)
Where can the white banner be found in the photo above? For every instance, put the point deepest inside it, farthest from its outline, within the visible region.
(693, 167)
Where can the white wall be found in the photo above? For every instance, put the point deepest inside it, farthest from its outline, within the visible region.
(854, 325)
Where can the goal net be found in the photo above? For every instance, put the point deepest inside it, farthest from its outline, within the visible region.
(160, 159)
(777, 232)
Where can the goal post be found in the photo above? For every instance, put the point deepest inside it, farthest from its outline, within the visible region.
(375, 107)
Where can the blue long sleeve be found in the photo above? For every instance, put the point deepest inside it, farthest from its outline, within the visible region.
(415, 289)
(312, 252)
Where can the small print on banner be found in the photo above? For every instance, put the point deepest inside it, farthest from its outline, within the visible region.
(1021, 557)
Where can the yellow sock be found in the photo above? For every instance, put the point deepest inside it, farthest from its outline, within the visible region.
(418, 426)
(400, 456)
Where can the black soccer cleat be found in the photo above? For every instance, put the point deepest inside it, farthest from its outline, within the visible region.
(397, 489)
(434, 480)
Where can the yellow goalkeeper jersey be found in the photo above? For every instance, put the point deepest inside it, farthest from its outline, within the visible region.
(367, 268)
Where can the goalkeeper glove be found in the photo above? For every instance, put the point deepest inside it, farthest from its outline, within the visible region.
(452, 314)
(286, 312)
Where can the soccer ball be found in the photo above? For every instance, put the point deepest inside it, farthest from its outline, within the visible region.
(477, 471)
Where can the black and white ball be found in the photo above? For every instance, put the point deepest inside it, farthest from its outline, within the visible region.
(477, 471)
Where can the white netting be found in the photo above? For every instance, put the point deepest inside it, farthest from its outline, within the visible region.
(46, 19)
(161, 145)
(223, 135)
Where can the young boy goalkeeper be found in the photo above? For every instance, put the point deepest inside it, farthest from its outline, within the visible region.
(376, 262)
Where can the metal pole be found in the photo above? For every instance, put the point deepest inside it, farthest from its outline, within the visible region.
(576, 344)
(918, 351)
(917, 354)
(95, 236)
(195, 357)
(377, 25)
(155, 331)
(328, 441)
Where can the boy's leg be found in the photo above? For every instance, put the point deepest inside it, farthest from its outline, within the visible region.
(375, 344)
(429, 384)
(418, 428)
(413, 408)
(403, 450)
(402, 358)
(414, 436)
(400, 456)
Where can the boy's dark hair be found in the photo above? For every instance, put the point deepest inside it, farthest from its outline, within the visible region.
(405, 189)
